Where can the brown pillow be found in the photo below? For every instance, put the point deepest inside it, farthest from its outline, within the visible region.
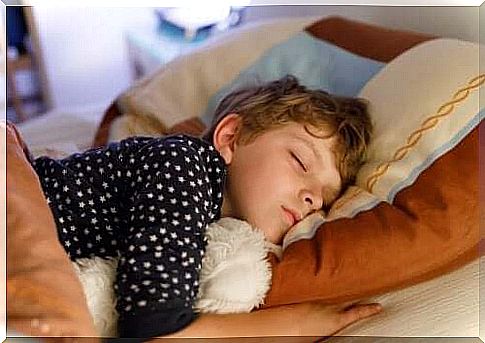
(374, 42)
(44, 295)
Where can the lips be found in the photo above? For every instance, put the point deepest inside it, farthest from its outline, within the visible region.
(292, 216)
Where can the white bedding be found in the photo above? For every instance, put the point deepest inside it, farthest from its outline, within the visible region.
(68, 130)
(446, 306)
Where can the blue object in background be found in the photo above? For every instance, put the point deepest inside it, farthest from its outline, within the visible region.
(175, 32)
(16, 28)
(178, 33)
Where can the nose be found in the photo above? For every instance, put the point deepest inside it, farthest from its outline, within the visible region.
(311, 200)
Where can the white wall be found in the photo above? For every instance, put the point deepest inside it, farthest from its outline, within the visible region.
(86, 60)
(84, 52)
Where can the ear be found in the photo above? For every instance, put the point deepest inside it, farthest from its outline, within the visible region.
(226, 134)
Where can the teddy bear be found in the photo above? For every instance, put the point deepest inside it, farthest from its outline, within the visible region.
(234, 278)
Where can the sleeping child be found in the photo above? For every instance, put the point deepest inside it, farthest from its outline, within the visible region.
(274, 154)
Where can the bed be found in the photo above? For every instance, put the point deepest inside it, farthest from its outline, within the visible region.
(445, 305)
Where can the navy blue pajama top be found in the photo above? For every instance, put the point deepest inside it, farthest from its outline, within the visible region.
(148, 201)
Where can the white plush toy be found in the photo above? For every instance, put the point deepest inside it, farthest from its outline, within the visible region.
(235, 275)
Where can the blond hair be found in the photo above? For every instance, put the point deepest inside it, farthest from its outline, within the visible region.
(279, 102)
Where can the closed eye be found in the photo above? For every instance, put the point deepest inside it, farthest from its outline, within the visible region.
(298, 160)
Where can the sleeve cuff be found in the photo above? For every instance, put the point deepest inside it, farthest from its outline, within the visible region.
(155, 324)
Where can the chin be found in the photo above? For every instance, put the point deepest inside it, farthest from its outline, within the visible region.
(275, 237)
(270, 230)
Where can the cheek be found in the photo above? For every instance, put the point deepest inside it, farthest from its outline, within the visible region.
(259, 186)
(263, 190)
(255, 188)
(266, 183)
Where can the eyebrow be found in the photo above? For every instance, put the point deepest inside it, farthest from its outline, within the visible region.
(309, 145)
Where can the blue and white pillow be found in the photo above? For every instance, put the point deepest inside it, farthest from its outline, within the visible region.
(316, 63)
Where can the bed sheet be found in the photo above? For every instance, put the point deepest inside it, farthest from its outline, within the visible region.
(447, 306)
(69, 130)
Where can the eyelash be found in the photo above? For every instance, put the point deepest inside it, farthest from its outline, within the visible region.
(302, 165)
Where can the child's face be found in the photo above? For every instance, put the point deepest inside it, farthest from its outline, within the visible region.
(279, 178)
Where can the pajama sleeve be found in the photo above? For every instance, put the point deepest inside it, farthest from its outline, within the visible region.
(173, 202)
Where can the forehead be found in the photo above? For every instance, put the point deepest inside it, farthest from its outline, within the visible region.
(317, 141)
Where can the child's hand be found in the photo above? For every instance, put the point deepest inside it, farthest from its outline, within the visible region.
(317, 319)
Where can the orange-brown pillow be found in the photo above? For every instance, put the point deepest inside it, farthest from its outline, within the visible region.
(371, 41)
(44, 295)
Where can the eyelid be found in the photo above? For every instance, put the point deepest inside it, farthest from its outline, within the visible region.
(300, 162)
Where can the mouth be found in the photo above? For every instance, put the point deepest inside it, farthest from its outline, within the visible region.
(292, 217)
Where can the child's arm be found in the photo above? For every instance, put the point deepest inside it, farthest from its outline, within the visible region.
(172, 202)
(307, 319)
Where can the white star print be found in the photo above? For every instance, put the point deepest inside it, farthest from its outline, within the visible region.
(144, 216)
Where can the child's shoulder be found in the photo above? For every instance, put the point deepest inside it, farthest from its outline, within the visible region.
(167, 142)
(173, 145)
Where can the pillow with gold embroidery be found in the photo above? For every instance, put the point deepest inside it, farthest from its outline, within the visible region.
(414, 212)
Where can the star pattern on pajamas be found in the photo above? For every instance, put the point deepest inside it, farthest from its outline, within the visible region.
(148, 201)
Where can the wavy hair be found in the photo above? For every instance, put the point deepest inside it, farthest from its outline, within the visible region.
(323, 115)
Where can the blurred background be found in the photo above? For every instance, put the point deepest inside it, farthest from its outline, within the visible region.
(68, 57)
